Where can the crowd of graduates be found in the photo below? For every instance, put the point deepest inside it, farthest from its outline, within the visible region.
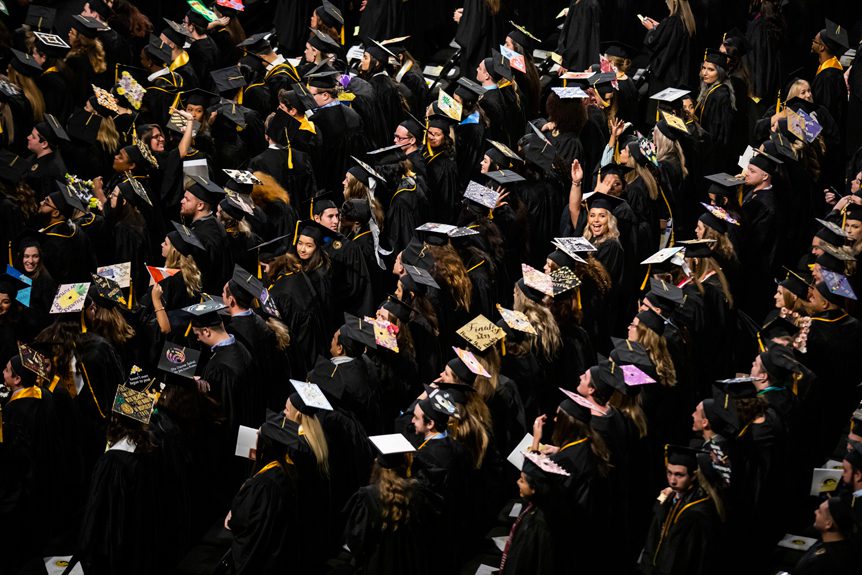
(310, 288)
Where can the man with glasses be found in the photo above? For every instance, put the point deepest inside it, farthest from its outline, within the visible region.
(407, 136)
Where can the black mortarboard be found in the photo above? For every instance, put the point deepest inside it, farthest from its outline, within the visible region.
(175, 33)
(233, 204)
(233, 113)
(652, 320)
(330, 14)
(52, 130)
(197, 19)
(25, 64)
(831, 233)
(358, 330)
(441, 122)
(665, 296)
(541, 472)
(796, 284)
(617, 49)
(523, 37)
(299, 98)
(835, 38)
(326, 79)
(228, 79)
(766, 162)
(106, 292)
(671, 96)
(85, 126)
(716, 57)
(498, 66)
(854, 453)
(438, 407)
(133, 190)
(364, 172)
(414, 127)
(205, 190)
(199, 97)
(40, 17)
(779, 363)
(101, 8)
(681, 455)
(273, 248)
(841, 508)
(627, 352)
(257, 43)
(832, 258)
(722, 184)
(205, 314)
(388, 155)
(504, 177)
(607, 377)
(66, 201)
(575, 409)
(356, 210)
(51, 44)
(378, 51)
(420, 276)
(322, 201)
(184, 239)
(159, 49)
(739, 387)
(459, 392)
(604, 201)
(323, 42)
(89, 27)
(397, 308)
(319, 233)
(12, 166)
(698, 248)
(469, 88)
(603, 82)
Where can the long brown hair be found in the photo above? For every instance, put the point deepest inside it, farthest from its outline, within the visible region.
(394, 491)
(656, 346)
(31, 92)
(547, 341)
(91, 48)
(449, 270)
(110, 324)
(268, 191)
(702, 266)
(187, 266)
(568, 429)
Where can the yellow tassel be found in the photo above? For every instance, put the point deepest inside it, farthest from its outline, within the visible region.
(295, 233)
(616, 155)
(1, 426)
(578, 297)
(90, 387)
(646, 277)
(289, 151)
(739, 196)
(760, 345)
(11, 263)
(342, 35)
(425, 135)
(656, 114)
(188, 330)
(239, 96)
(503, 346)
(310, 216)
(131, 293)
(116, 73)
(565, 83)
(83, 324)
(778, 102)
(491, 215)
(259, 270)
(176, 101)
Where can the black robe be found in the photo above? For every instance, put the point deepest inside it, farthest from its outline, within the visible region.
(531, 547)
(759, 250)
(343, 136)
(382, 19)
(234, 384)
(408, 209)
(54, 86)
(444, 194)
(469, 150)
(215, 260)
(299, 307)
(67, 253)
(833, 558)
(716, 116)
(299, 181)
(350, 279)
(579, 38)
(258, 338)
(203, 56)
(477, 33)
(389, 107)
(45, 173)
(830, 91)
(670, 59)
(353, 387)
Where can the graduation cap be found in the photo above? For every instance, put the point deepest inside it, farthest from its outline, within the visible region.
(603, 82)
(378, 51)
(308, 398)
(421, 276)
(366, 172)
(184, 239)
(833, 258)
(11, 284)
(324, 43)
(779, 363)
(766, 162)
(504, 177)
(388, 155)
(130, 89)
(330, 14)
(468, 89)
(40, 17)
(228, 7)
(324, 80)
(358, 330)
(480, 332)
(199, 97)
(516, 320)
(85, 126)
(534, 283)
(233, 113)
(698, 248)
(617, 49)
(13, 167)
(681, 455)
(356, 210)
(118, 273)
(469, 360)
(70, 298)
(228, 79)
(199, 15)
(51, 130)
(397, 308)
(66, 201)
(652, 320)
(662, 256)
(449, 106)
(243, 178)
(391, 449)
(178, 360)
(606, 377)
(273, 248)
(204, 189)
(159, 49)
(482, 195)
(716, 57)
(569, 93)
(564, 258)
(599, 200)
(106, 100)
(34, 361)
(205, 314)
(722, 184)
(106, 292)
(837, 285)
(672, 126)
(51, 44)
(413, 126)
(88, 27)
(101, 8)
(506, 152)
(796, 284)
(665, 296)
(441, 122)
(541, 470)
(236, 205)
(134, 404)
(835, 38)
(672, 96)
(314, 230)
(438, 407)
(257, 43)
(25, 64)
(830, 233)
(498, 66)
(176, 33)
(717, 218)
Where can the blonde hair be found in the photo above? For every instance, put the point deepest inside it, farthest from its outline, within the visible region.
(268, 190)
(313, 432)
(110, 324)
(187, 266)
(646, 175)
(702, 266)
(630, 407)
(684, 10)
(472, 432)
(613, 229)
(31, 92)
(656, 346)
(92, 48)
(666, 148)
(712, 492)
(796, 88)
(108, 136)
(547, 341)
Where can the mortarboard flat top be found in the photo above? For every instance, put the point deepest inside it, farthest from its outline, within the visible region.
(670, 95)
(256, 40)
(358, 330)
(505, 150)
(179, 360)
(450, 106)
(70, 298)
(667, 291)
(107, 290)
(119, 273)
(159, 49)
(569, 93)
(391, 444)
(311, 395)
(134, 404)
(499, 66)
(40, 17)
(674, 122)
(204, 307)
(837, 36)
(228, 79)
(574, 245)
(503, 177)
(205, 189)
(602, 201)
(724, 180)
(53, 130)
(633, 375)
(13, 167)
(12, 281)
(37, 362)
(131, 90)
(662, 255)
(839, 232)
(537, 280)
(325, 44)
(238, 205)
(25, 64)
(89, 27)
(837, 284)
(369, 170)
(720, 213)
(331, 14)
(137, 187)
(243, 177)
(187, 235)
(236, 5)
(471, 86)
(473, 364)
(175, 32)
(85, 126)
(563, 279)
(106, 99)
(482, 195)
(481, 333)
(537, 463)
(516, 320)
(421, 276)
(66, 200)
(841, 254)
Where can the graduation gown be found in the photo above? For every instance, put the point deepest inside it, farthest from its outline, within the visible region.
(67, 253)
(299, 307)
(343, 136)
(529, 548)
(408, 209)
(833, 558)
(45, 173)
(716, 116)
(215, 260)
(263, 521)
(350, 279)
(253, 332)
(382, 19)
(232, 376)
(469, 148)
(291, 24)
(759, 249)
(389, 106)
(443, 191)
(830, 90)
(477, 33)
(203, 56)
(579, 38)
(354, 388)
(670, 55)
(54, 86)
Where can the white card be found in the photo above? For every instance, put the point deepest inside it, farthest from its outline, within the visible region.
(486, 570)
(516, 509)
(797, 542)
(516, 458)
(662, 255)
(56, 565)
(500, 541)
(824, 481)
(746, 157)
(833, 464)
(246, 440)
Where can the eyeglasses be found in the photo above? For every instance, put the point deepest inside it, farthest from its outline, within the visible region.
(401, 138)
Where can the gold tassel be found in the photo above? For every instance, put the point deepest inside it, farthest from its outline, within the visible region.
(296, 231)
(778, 102)
(656, 114)
(131, 293)
(578, 297)
(83, 324)
(310, 216)
(239, 96)
(760, 345)
(616, 156)
(342, 34)
(90, 387)
(176, 101)
(503, 346)
(10, 253)
(289, 151)
(259, 271)
(646, 277)
(188, 329)
(739, 195)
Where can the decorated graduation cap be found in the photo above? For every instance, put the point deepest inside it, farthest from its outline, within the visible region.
(482, 195)
(542, 472)
(130, 89)
(666, 257)
(11, 284)
(503, 155)
(70, 298)
(387, 155)
(516, 320)
(13, 167)
(378, 51)
(184, 239)
(796, 284)
(242, 180)
(671, 96)
(19, 368)
(572, 247)
(832, 258)
(365, 173)
(323, 42)
(308, 398)
(204, 189)
(175, 33)
(672, 126)
(438, 407)
(391, 449)
(88, 27)
(577, 406)
(106, 292)
(51, 130)
(205, 313)
(738, 387)
(835, 37)
(25, 64)
(236, 205)
(134, 404)
(498, 66)
(40, 17)
(229, 7)
(51, 44)
(834, 287)
(34, 361)
(569, 93)
(830, 233)
(717, 218)
(481, 333)
(722, 184)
